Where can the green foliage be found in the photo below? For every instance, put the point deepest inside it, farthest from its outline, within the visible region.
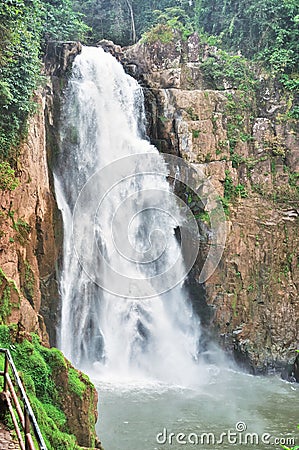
(6, 307)
(238, 125)
(294, 113)
(55, 438)
(19, 71)
(24, 27)
(225, 205)
(8, 180)
(53, 357)
(240, 191)
(228, 186)
(204, 217)
(7, 286)
(231, 191)
(195, 204)
(176, 19)
(107, 19)
(5, 340)
(161, 32)
(31, 362)
(294, 181)
(61, 22)
(228, 68)
(112, 19)
(166, 22)
(290, 82)
(20, 224)
(55, 414)
(266, 30)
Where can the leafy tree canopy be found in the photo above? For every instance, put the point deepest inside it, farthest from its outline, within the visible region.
(267, 30)
(24, 27)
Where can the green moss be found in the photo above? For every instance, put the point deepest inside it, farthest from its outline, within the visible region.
(7, 287)
(5, 309)
(29, 282)
(55, 414)
(75, 384)
(54, 358)
(22, 230)
(47, 419)
(192, 114)
(5, 336)
(37, 366)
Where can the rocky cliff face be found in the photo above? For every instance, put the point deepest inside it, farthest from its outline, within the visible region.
(245, 141)
(27, 239)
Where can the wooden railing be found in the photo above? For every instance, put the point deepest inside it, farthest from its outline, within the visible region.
(26, 416)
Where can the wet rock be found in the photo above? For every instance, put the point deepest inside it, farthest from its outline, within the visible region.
(296, 369)
(59, 56)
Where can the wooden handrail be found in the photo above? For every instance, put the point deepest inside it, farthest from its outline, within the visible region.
(27, 418)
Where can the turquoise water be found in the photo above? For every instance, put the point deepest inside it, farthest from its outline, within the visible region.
(240, 411)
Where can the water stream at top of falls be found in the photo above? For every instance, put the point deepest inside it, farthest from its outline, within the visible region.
(116, 335)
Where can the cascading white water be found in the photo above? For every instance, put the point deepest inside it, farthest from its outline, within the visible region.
(103, 120)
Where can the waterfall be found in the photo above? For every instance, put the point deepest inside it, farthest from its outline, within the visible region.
(128, 328)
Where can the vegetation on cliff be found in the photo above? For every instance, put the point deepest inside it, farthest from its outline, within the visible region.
(25, 26)
(51, 382)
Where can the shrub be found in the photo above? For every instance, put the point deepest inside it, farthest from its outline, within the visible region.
(8, 180)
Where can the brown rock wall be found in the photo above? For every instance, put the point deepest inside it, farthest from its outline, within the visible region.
(24, 243)
(247, 137)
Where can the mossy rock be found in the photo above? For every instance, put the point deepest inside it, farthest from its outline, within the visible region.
(62, 398)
